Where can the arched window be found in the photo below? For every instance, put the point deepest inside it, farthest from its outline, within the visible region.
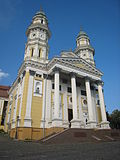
(37, 87)
(42, 21)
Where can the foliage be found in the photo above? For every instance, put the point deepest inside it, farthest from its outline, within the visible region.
(114, 119)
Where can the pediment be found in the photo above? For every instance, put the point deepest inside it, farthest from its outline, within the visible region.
(76, 63)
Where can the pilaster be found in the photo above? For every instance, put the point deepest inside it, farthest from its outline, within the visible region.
(27, 119)
(21, 99)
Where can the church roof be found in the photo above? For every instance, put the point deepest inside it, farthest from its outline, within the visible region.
(81, 34)
(4, 91)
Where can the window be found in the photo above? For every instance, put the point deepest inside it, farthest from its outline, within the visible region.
(37, 88)
(42, 21)
(39, 53)
(69, 89)
(53, 86)
(98, 102)
(85, 102)
(60, 87)
(83, 92)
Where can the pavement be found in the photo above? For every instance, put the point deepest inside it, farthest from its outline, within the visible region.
(25, 150)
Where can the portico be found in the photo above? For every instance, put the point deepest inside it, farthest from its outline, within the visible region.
(77, 121)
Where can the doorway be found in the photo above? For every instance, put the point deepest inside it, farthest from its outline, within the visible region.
(70, 116)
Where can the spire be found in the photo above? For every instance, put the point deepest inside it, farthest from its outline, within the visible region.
(81, 28)
(41, 10)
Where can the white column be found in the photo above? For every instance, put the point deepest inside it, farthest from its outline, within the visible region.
(104, 123)
(27, 119)
(91, 122)
(56, 120)
(44, 104)
(75, 122)
(74, 97)
(65, 107)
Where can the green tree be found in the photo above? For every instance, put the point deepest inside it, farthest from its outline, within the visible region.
(114, 119)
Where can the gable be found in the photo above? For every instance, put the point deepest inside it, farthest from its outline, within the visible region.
(76, 63)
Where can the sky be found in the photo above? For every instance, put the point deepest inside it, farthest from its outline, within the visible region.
(100, 19)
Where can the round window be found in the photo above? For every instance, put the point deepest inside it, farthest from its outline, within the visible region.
(85, 102)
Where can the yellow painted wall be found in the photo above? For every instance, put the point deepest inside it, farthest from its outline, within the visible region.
(99, 114)
(24, 100)
(67, 100)
(36, 110)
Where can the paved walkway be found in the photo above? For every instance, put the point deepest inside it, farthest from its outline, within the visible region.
(19, 150)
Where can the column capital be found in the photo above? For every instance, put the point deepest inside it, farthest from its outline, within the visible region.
(72, 74)
(100, 82)
(56, 69)
(88, 78)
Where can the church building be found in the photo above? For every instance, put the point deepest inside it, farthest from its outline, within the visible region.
(49, 96)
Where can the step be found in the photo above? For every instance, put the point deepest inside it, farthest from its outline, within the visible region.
(54, 135)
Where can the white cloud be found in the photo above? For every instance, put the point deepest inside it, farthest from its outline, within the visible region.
(3, 74)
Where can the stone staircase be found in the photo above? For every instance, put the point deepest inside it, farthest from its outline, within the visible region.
(72, 135)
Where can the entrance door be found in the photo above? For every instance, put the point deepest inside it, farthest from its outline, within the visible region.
(70, 116)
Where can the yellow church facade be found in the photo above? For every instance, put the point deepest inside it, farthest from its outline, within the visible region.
(49, 96)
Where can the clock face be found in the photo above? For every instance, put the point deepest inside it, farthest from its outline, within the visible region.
(33, 35)
(42, 36)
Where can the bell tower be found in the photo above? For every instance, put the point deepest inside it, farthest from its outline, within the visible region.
(84, 49)
(38, 34)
